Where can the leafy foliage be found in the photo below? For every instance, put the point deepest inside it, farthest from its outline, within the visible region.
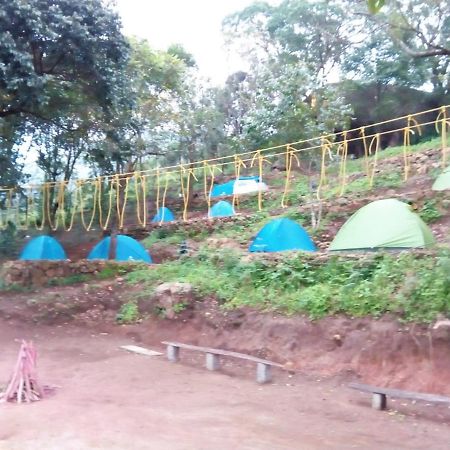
(128, 313)
(414, 289)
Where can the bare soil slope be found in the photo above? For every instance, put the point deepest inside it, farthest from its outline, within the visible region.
(110, 399)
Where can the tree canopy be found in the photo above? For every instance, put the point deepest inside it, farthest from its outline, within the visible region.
(76, 92)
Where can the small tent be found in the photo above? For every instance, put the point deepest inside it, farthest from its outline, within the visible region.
(280, 235)
(43, 247)
(385, 223)
(442, 182)
(243, 185)
(127, 249)
(163, 215)
(222, 209)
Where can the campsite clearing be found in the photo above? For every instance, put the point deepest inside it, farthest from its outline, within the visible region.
(111, 399)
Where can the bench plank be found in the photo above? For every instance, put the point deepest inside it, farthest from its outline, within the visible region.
(398, 393)
(216, 351)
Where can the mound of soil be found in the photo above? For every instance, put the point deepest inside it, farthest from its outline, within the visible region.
(382, 352)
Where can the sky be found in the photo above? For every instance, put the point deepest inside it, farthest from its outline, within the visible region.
(196, 24)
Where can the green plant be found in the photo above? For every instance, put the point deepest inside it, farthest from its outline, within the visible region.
(429, 212)
(128, 313)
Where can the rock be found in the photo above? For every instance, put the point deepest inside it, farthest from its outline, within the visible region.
(173, 298)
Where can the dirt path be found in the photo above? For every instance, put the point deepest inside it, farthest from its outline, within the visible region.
(110, 399)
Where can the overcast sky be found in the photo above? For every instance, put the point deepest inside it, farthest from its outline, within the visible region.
(194, 23)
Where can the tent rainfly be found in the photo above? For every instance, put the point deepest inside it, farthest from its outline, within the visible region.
(127, 249)
(442, 182)
(222, 209)
(281, 235)
(387, 223)
(43, 247)
(163, 215)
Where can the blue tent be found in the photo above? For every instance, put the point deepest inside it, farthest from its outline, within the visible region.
(280, 235)
(222, 209)
(127, 249)
(163, 215)
(43, 247)
(227, 188)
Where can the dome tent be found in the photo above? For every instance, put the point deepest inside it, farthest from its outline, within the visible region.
(222, 209)
(442, 182)
(43, 247)
(280, 235)
(127, 249)
(387, 223)
(163, 215)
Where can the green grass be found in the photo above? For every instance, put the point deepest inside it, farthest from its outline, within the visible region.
(412, 288)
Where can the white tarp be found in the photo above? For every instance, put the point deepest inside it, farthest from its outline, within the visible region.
(248, 186)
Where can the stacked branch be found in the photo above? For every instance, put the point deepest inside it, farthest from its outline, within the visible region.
(24, 386)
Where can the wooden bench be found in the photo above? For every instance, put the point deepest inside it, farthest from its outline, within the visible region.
(379, 395)
(263, 366)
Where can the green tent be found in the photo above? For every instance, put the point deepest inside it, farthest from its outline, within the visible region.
(442, 182)
(385, 223)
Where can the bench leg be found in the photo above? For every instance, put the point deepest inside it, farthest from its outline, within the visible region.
(379, 401)
(263, 373)
(212, 361)
(173, 353)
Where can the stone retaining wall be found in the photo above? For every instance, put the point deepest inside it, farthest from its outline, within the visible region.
(40, 273)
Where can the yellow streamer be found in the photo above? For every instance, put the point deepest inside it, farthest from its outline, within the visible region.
(166, 185)
(371, 173)
(186, 190)
(445, 123)
(290, 155)
(408, 130)
(343, 151)
(261, 160)
(238, 163)
(326, 147)
(142, 218)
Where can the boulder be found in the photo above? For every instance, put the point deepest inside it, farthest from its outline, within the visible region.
(173, 297)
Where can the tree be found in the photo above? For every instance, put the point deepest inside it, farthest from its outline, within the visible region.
(295, 47)
(314, 33)
(156, 81)
(416, 33)
(420, 27)
(48, 48)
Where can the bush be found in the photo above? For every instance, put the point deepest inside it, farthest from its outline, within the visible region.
(415, 289)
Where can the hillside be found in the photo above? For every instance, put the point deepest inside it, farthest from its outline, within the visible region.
(335, 304)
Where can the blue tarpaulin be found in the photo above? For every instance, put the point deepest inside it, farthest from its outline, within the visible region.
(280, 235)
(127, 249)
(43, 247)
(163, 215)
(222, 209)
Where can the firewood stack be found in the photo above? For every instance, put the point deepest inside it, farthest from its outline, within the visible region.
(24, 386)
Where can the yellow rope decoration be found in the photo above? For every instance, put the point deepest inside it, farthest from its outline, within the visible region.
(121, 208)
(110, 182)
(238, 163)
(261, 160)
(326, 147)
(445, 123)
(371, 174)
(186, 190)
(208, 189)
(290, 155)
(366, 149)
(343, 151)
(46, 204)
(140, 187)
(408, 130)
(166, 185)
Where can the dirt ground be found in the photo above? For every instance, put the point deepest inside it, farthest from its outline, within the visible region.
(110, 399)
